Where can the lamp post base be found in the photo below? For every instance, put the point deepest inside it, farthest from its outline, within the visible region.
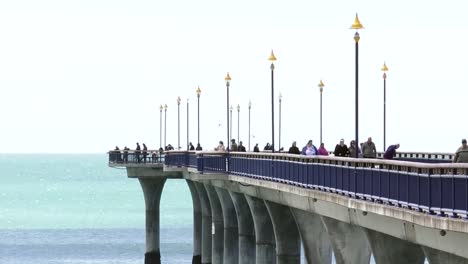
(153, 258)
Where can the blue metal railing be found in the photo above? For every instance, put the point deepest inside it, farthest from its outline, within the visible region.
(427, 187)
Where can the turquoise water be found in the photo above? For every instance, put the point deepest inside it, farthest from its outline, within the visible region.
(72, 208)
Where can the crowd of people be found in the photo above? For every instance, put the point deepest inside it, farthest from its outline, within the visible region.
(366, 150)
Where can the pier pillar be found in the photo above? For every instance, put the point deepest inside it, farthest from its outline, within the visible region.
(435, 256)
(387, 249)
(348, 241)
(288, 243)
(317, 247)
(197, 223)
(231, 233)
(152, 189)
(246, 229)
(217, 242)
(265, 249)
(206, 223)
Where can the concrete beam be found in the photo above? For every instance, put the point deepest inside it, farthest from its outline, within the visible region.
(348, 241)
(288, 243)
(231, 230)
(246, 229)
(152, 189)
(387, 249)
(217, 246)
(206, 223)
(317, 247)
(197, 223)
(435, 256)
(265, 249)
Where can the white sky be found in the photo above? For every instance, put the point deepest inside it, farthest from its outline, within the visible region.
(84, 76)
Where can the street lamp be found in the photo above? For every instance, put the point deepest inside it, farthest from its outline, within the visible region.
(272, 58)
(228, 82)
(384, 69)
(165, 124)
(238, 122)
(279, 136)
(160, 126)
(198, 98)
(178, 122)
(188, 146)
(250, 106)
(230, 125)
(357, 25)
(321, 85)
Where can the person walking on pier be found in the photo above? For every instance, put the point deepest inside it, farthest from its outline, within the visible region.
(220, 147)
(341, 150)
(322, 151)
(145, 152)
(137, 152)
(391, 151)
(352, 149)
(461, 156)
(233, 145)
(125, 154)
(294, 149)
(309, 149)
(368, 149)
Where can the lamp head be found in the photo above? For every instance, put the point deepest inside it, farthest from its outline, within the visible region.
(272, 57)
(227, 79)
(238, 108)
(280, 97)
(165, 107)
(160, 108)
(321, 85)
(178, 100)
(198, 91)
(384, 67)
(230, 108)
(250, 104)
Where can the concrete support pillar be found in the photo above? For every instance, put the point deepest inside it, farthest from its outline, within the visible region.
(217, 246)
(435, 256)
(152, 189)
(387, 249)
(246, 229)
(265, 249)
(348, 241)
(288, 242)
(231, 233)
(206, 223)
(317, 247)
(197, 223)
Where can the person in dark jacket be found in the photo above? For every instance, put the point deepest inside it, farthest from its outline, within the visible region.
(294, 149)
(145, 152)
(241, 147)
(137, 152)
(256, 149)
(391, 151)
(341, 150)
(198, 147)
(267, 146)
(191, 147)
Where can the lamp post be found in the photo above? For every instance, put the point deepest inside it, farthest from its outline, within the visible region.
(357, 25)
(165, 124)
(228, 82)
(279, 135)
(230, 126)
(321, 85)
(272, 58)
(250, 106)
(160, 126)
(188, 146)
(238, 122)
(384, 69)
(178, 122)
(198, 98)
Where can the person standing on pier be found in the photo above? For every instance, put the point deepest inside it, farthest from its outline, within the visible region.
(241, 147)
(322, 151)
(233, 145)
(220, 147)
(198, 147)
(191, 147)
(461, 156)
(145, 152)
(256, 148)
(368, 149)
(391, 151)
(294, 149)
(137, 152)
(341, 150)
(309, 149)
(352, 149)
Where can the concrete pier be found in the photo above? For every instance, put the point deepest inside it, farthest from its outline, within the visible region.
(197, 223)
(217, 246)
(387, 249)
(317, 247)
(152, 189)
(231, 233)
(246, 229)
(265, 249)
(440, 257)
(348, 241)
(206, 223)
(288, 243)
